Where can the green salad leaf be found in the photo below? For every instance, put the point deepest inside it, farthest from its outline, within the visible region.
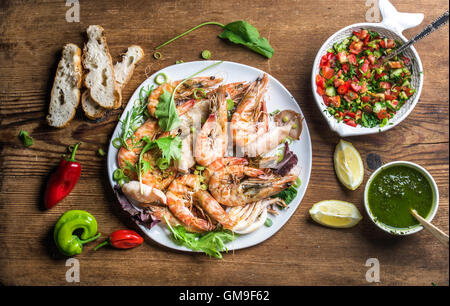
(288, 195)
(166, 112)
(211, 243)
(242, 33)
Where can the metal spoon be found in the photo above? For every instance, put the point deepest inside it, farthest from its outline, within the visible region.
(439, 22)
(436, 232)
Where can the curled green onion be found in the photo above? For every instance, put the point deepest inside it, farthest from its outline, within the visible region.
(297, 183)
(116, 143)
(162, 163)
(200, 168)
(157, 55)
(202, 90)
(118, 174)
(161, 78)
(206, 54)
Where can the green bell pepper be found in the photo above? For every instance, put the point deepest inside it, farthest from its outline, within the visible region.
(69, 244)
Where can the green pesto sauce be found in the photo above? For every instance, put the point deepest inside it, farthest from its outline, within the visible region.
(394, 191)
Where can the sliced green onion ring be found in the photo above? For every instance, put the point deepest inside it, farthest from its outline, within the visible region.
(162, 163)
(116, 143)
(202, 90)
(157, 55)
(118, 174)
(206, 54)
(161, 78)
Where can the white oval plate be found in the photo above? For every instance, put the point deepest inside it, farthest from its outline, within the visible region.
(278, 98)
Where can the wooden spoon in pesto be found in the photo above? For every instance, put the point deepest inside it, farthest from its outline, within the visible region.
(436, 232)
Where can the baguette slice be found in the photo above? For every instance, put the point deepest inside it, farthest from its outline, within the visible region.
(100, 78)
(91, 109)
(123, 71)
(65, 95)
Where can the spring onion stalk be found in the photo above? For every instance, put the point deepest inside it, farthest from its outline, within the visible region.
(189, 31)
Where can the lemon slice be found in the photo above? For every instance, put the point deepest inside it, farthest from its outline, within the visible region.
(348, 165)
(334, 213)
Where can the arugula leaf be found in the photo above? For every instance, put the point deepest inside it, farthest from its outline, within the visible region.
(212, 243)
(243, 33)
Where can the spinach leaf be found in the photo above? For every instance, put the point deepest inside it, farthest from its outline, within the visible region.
(243, 33)
(239, 32)
(166, 112)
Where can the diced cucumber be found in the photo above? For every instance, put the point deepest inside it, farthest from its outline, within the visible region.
(330, 91)
(396, 73)
(378, 107)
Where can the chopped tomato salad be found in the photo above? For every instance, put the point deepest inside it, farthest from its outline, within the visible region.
(355, 84)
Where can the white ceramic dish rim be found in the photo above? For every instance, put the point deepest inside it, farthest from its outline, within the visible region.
(431, 214)
(277, 224)
(391, 22)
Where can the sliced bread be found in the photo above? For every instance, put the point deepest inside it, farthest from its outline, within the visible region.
(123, 71)
(65, 95)
(91, 109)
(99, 78)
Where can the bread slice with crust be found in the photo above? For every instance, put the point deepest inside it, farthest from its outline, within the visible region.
(65, 94)
(99, 78)
(123, 71)
(91, 109)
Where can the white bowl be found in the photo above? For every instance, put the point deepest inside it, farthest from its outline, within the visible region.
(413, 229)
(392, 26)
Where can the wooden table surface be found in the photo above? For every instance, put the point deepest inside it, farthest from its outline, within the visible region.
(32, 34)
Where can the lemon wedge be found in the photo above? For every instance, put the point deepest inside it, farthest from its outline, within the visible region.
(334, 213)
(348, 165)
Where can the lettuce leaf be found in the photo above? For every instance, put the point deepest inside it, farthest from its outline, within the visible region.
(212, 243)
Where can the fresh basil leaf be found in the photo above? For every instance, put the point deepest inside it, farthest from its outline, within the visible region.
(243, 33)
(166, 112)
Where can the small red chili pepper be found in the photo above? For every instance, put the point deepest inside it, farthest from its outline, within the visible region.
(63, 180)
(122, 239)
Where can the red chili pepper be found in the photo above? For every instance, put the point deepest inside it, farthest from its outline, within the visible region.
(122, 239)
(63, 180)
